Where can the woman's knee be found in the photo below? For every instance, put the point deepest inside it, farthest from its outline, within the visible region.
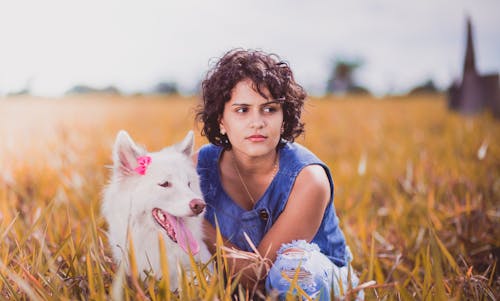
(301, 264)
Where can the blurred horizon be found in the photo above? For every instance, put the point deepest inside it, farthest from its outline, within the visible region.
(53, 46)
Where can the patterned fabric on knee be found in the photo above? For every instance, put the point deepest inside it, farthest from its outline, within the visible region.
(317, 275)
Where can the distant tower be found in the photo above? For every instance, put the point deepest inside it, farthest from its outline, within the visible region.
(470, 60)
(475, 92)
(471, 87)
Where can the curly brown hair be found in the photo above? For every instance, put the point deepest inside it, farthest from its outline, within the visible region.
(265, 71)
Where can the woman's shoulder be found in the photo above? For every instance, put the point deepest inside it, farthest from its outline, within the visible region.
(209, 149)
(208, 153)
(298, 155)
(301, 161)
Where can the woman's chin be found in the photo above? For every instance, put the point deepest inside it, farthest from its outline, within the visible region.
(256, 149)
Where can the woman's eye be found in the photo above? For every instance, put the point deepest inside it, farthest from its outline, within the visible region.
(241, 110)
(270, 109)
(165, 184)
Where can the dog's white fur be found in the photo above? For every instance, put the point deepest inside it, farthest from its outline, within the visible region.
(130, 198)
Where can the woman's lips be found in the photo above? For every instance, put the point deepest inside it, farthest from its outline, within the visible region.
(256, 138)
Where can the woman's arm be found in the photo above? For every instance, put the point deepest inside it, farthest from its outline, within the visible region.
(303, 212)
(300, 219)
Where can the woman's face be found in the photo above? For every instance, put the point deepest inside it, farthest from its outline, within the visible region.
(252, 122)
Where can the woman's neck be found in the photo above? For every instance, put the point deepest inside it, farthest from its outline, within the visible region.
(255, 165)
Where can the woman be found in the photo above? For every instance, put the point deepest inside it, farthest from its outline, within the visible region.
(259, 184)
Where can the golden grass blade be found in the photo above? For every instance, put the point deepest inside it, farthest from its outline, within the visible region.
(294, 285)
(250, 243)
(414, 275)
(9, 227)
(131, 258)
(197, 270)
(23, 285)
(39, 259)
(53, 258)
(403, 293)
(183, 283)
(233, 282)
(140, 295)
(437, 269)
(31, 278)
(211, 290)
(99, 279)
(93, 228)
(340, 285)
(118, 282)
(31, 230)
(222, 266)
(446, 253)
(426, 292)
(90, 276)
(151, 289)
(371, 264)
(165, 282)
(10, 289)
(492, 274)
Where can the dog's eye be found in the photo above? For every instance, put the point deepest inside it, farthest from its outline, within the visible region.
(165, 184)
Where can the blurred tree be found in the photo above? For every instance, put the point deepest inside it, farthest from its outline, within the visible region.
(84, 89)
(168, 87)
(26, 90)
(23, 91)
(342, 81)
(428, 87)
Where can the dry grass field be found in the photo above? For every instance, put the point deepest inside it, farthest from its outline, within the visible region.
(417, 193)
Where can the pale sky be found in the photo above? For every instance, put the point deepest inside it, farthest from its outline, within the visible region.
(55, 44)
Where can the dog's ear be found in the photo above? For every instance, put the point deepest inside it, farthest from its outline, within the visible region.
(125, 154)
(186, 146)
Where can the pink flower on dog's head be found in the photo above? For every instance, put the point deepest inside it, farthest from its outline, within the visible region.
(143, 162)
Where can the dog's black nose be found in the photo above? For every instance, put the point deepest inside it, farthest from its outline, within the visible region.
(197, 206)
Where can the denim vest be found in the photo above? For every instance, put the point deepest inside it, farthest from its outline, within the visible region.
(233, 220)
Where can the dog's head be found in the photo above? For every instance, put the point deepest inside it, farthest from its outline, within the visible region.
(162, 186)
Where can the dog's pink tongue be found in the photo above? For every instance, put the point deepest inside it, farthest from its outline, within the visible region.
(185, 238)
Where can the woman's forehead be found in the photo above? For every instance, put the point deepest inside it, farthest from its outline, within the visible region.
(248, 88)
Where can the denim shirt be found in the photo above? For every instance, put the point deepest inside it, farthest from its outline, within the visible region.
(233, 220)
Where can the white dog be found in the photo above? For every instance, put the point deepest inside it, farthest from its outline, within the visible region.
(151, 194)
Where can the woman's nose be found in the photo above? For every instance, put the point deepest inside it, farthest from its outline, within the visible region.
(257, 121)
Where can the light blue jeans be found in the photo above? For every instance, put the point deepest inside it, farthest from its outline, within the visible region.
(317, 275)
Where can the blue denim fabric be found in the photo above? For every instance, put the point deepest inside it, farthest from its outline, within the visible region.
(234, 221)
(318, 277)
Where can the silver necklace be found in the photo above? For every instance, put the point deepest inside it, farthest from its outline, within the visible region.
(275, 170)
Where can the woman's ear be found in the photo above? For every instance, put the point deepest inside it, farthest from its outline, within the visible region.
(221, 127)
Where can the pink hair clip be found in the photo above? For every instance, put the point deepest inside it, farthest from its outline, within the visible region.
(143, 162)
